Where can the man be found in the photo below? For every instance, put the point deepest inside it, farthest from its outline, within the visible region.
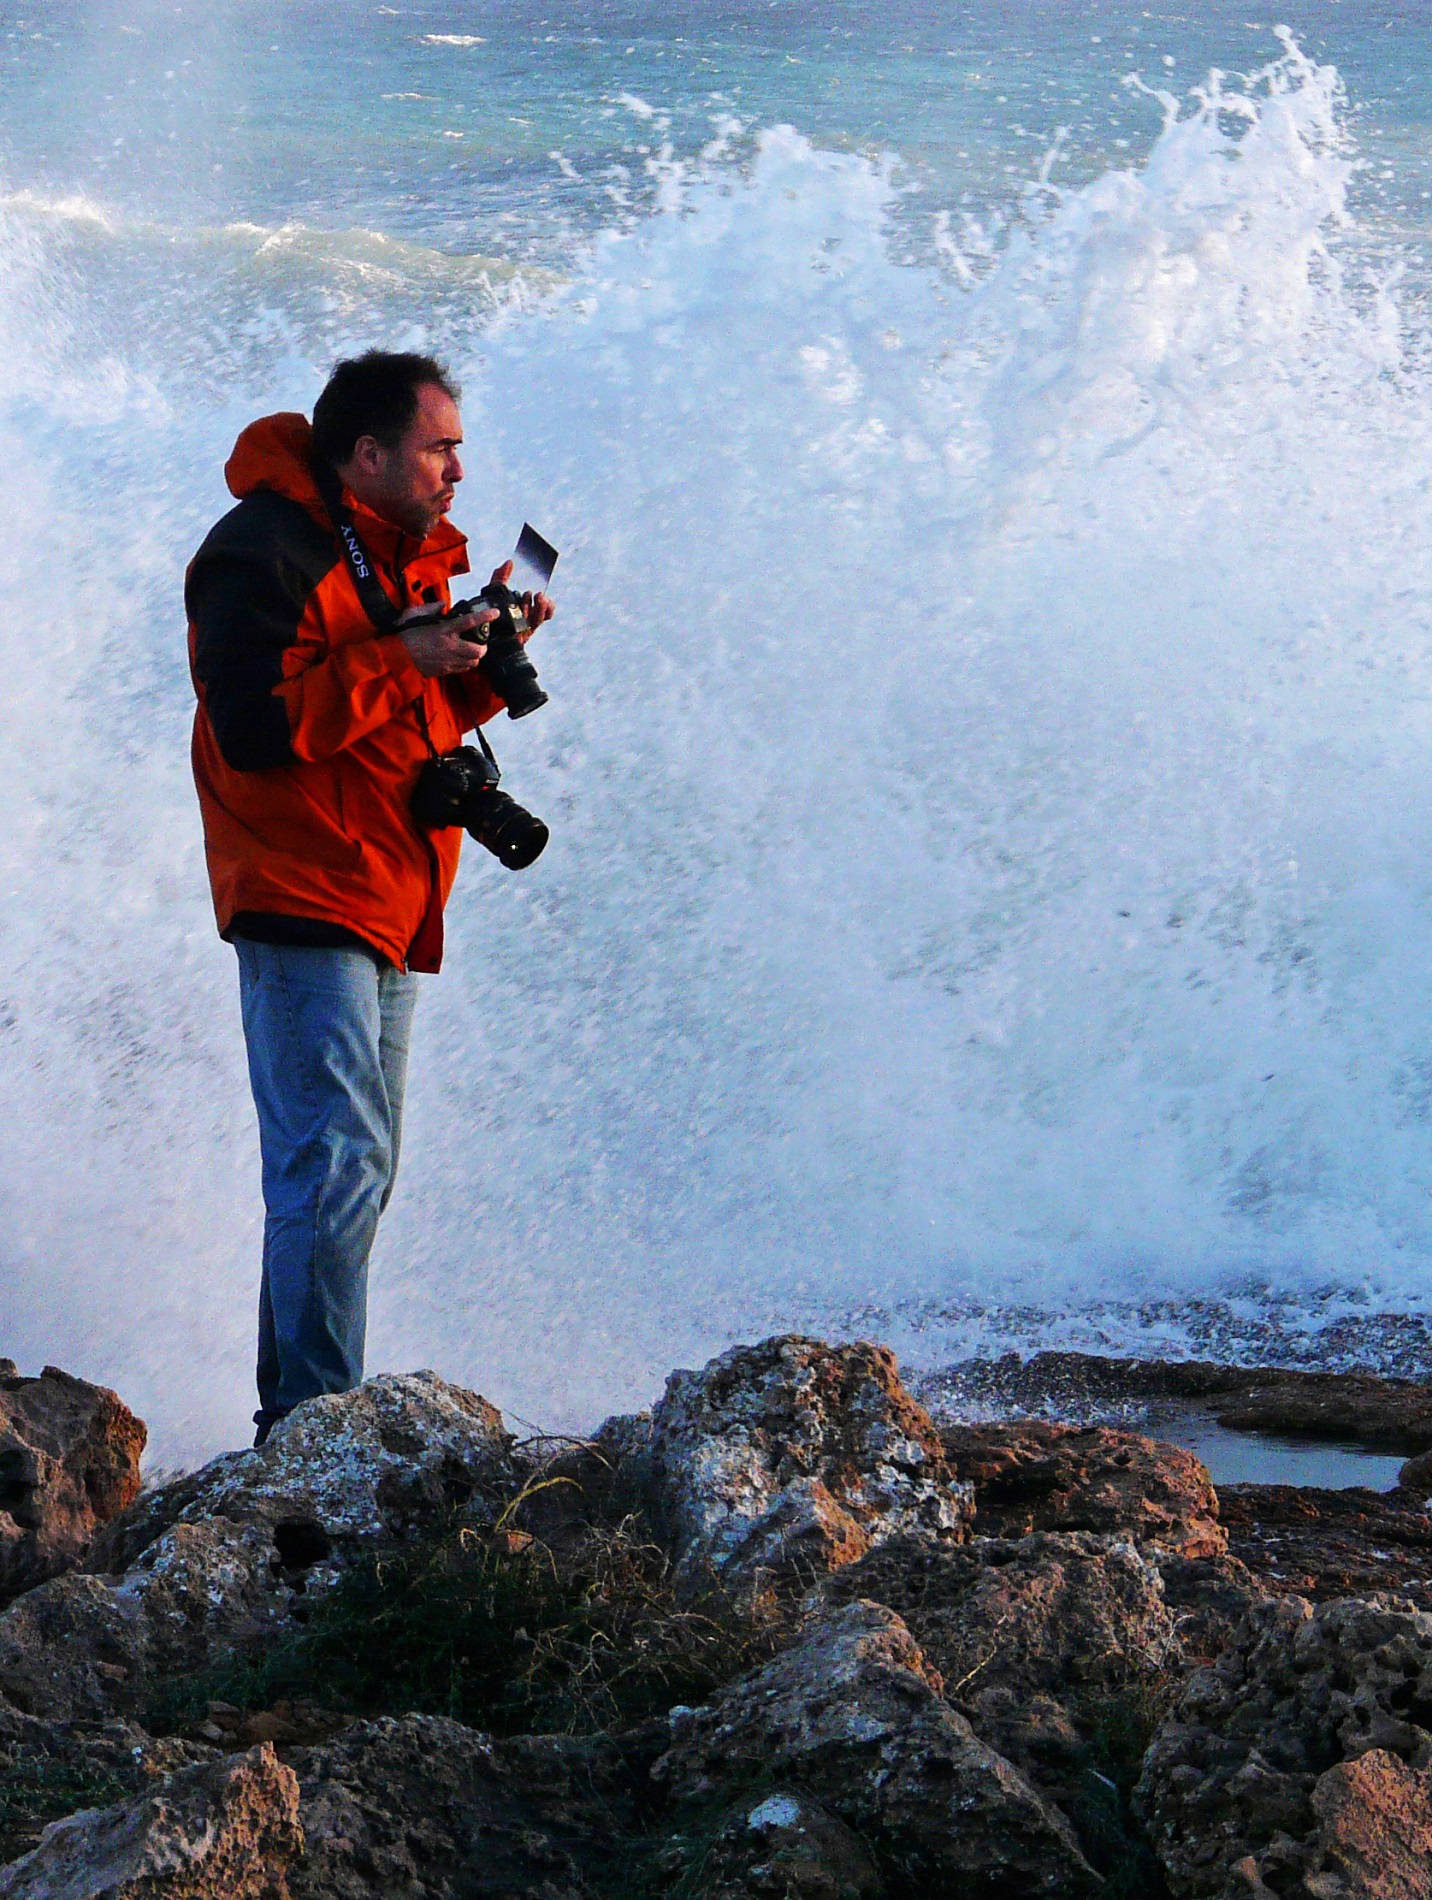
(319, 704)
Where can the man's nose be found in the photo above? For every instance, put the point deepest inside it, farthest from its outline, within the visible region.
(453, 471)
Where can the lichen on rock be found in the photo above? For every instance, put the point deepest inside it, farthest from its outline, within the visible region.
(781, 1461)
(396, 1455)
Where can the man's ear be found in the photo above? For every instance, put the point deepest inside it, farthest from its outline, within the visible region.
(369, 455)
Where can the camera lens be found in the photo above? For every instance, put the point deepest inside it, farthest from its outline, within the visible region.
(512, 676)
(511, 834)
(505, 666)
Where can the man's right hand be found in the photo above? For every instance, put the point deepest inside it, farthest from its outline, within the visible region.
(440, 646)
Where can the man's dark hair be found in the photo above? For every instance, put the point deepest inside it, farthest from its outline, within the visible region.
(374, 394)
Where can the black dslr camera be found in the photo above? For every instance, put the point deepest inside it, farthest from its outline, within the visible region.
(505, 666)
(460, 788)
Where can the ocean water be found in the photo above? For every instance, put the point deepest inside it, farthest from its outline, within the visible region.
(990, 749)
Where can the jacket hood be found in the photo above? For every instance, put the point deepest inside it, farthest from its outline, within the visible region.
(276, 452)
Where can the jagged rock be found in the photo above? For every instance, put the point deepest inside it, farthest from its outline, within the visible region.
(428, 1809)
(227, 1830)
(1034, 1476)
(1236, 1785)
(395, 1455)
(1032, 1638)
(1374, 1831)
(48, 1770)
(69, 1461)
(780, 1461)
(786, 1844)
(1304, 1541)
(1208, 1597)
(852, 1715)
(1416, 1475)
(88, 1646)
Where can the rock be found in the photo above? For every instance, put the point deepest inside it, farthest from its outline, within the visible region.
(48, 1770)
(1208, 1597)
(1416, 1477)
(227, 1830)
(1033, 1476)
(395, 1456)
(1326, 1544)
(88, 1646)
(851, 1715)
(1236, 1786)
(786, 1844)
(1390, 1414)
(69, 1461)
(430, 1810)
(1374, 1831)
(780, 1461)
(1031, 1638)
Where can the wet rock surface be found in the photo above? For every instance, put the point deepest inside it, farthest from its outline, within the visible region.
(1038, 1476)
(225, 1830)
(1325, 1544)
(781, 1461)
(69, 1462)
(1360, 1408)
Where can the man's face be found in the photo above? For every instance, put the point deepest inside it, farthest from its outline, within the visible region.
(412, 485)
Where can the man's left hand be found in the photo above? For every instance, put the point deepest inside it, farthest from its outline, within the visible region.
(537, 607)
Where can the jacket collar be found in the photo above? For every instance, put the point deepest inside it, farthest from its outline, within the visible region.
(276, 453)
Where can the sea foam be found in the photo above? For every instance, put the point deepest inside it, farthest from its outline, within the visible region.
(987, 768)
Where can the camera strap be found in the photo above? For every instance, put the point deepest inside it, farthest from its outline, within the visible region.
(375, 603)
(380, 610)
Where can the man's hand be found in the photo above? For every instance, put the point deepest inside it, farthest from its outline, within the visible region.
(537, 607)
(438, 646)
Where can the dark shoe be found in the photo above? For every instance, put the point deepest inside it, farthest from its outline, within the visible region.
(265, 1421)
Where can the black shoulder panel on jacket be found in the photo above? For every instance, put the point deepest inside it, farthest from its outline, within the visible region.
(246, 592)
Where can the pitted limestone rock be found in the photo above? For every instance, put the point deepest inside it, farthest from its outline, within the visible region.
(227, 1830)
(69, 1461)
(423, 1808)
(785, 1844)
(852, 1715)
(1032, 1636)
(790, 1458)
(395, 1455)
(1267, 1771)
(83, 1646)
(1033, 1475)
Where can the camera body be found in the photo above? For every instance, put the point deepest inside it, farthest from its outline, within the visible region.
(505, 666)
(460, 788)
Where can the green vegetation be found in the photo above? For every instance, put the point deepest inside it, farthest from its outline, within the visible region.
(499, 1632)
(37, 1787)
(1110, 1833)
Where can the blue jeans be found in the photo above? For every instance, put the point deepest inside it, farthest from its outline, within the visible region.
(327, 1034)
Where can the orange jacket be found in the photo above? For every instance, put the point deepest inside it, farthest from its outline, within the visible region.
(308, 736)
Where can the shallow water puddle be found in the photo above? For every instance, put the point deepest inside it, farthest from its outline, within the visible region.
(1262, 1458)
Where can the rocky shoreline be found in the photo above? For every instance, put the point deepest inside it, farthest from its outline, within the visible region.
(792, 1633)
